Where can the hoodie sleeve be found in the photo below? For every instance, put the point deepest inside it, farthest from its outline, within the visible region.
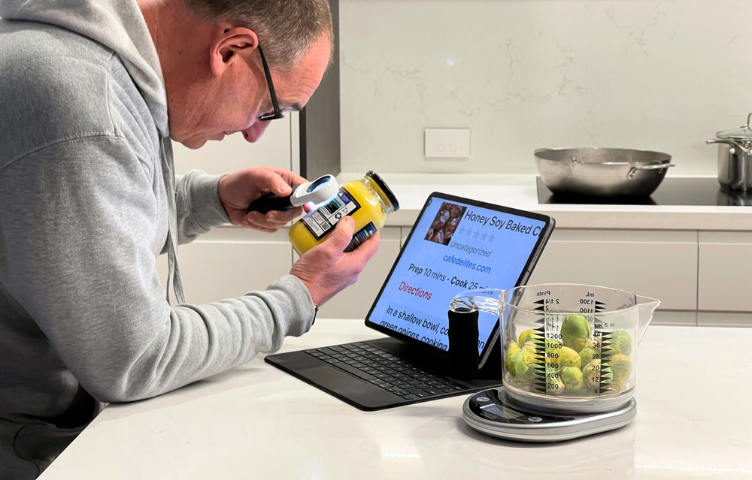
(198, 206)
(78, 232)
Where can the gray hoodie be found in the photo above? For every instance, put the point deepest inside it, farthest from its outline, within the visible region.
(86, 205)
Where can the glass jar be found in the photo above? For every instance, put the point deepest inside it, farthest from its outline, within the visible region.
(368, 201)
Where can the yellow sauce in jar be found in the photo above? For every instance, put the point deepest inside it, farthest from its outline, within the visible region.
(368, 201)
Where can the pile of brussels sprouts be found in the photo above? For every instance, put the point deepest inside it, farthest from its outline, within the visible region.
(577, 365)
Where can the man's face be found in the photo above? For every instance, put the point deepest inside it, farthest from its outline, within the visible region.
(236, 95)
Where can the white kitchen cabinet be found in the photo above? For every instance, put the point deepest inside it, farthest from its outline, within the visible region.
(229, 261)
(355, 301)
(660, 264)
(274, 149)
(725, 279)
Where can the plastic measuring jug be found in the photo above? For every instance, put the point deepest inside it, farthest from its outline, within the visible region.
(567, 348)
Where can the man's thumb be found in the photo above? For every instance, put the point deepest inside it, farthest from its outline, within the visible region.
(342, 235)
(278, 186)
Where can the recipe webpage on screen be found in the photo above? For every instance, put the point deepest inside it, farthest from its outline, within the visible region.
(455, 247)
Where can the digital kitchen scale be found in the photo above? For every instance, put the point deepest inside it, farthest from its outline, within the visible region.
(492, 412)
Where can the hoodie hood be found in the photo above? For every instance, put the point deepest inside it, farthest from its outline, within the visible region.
(116, 24)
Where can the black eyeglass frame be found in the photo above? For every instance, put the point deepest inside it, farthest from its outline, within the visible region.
(277, 113)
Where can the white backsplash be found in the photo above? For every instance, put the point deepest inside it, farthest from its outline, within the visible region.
(524, 74)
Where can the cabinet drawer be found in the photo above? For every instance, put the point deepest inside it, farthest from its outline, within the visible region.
(725, 265)
(355, 301)
(229, 262)
(660, 264)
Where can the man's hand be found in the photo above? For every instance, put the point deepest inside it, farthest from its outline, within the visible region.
(238, 190)
(326, 270)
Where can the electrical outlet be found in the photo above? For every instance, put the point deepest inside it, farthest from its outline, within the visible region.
(447, 143)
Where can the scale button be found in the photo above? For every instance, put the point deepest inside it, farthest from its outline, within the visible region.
(482, 399)
(535, 419)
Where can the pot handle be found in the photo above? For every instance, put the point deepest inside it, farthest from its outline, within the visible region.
(733, 143)
(653, 166)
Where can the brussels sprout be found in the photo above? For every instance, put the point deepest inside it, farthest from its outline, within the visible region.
(620, 342)
(575, 332)
(621, 367)
(587, 355)
(528, 336)
(554, 385)
(517, 368)
(595, 376)
(615, 387)
(558, 358)
(572, 378)
(529, 354)
(512, 350)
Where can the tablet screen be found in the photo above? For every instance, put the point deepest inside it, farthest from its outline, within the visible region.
(454, 247)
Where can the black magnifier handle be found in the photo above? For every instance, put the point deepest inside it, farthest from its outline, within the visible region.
(320, 190)
(269, 202)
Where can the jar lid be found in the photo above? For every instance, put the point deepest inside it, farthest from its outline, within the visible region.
(383, 186)
(744, 132)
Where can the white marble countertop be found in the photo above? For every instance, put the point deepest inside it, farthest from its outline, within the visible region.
(519, 191)
(693, 393)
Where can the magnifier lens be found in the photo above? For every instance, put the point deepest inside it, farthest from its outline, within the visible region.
(317, 184)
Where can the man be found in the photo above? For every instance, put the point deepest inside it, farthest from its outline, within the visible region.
(91, 91)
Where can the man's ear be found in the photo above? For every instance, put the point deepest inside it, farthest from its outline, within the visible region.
(232, 45)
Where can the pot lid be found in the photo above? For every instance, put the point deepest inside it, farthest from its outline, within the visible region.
(744, 132)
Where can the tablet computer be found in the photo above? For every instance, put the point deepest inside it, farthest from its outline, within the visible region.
(456, 244)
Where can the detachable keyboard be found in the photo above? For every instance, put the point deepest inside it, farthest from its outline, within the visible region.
(386, 371)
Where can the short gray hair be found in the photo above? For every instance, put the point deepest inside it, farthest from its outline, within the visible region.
(286, 29)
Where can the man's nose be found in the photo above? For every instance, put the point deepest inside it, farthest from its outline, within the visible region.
(255, 131)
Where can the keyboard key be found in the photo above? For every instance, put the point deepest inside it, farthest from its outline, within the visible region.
(418, 393)
(410, 397)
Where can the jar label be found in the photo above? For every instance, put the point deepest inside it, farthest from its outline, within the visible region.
(360, 237)
(321, 221)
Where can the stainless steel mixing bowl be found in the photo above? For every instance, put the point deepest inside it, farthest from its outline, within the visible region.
(602, 172)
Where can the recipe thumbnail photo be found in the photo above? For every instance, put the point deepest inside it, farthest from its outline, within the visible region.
(445, 223)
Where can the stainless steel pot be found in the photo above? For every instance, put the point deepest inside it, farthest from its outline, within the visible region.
(602, 172)
(735, 157)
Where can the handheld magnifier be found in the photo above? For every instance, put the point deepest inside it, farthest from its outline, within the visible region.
(318, 191)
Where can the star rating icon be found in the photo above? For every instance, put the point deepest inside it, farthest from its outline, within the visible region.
(462, 230)
(483, 237)
(492, 238)
(476, 234)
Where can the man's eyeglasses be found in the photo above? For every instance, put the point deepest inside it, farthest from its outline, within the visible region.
(276, 113)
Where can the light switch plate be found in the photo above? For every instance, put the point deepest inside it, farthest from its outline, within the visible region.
(447, 143)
